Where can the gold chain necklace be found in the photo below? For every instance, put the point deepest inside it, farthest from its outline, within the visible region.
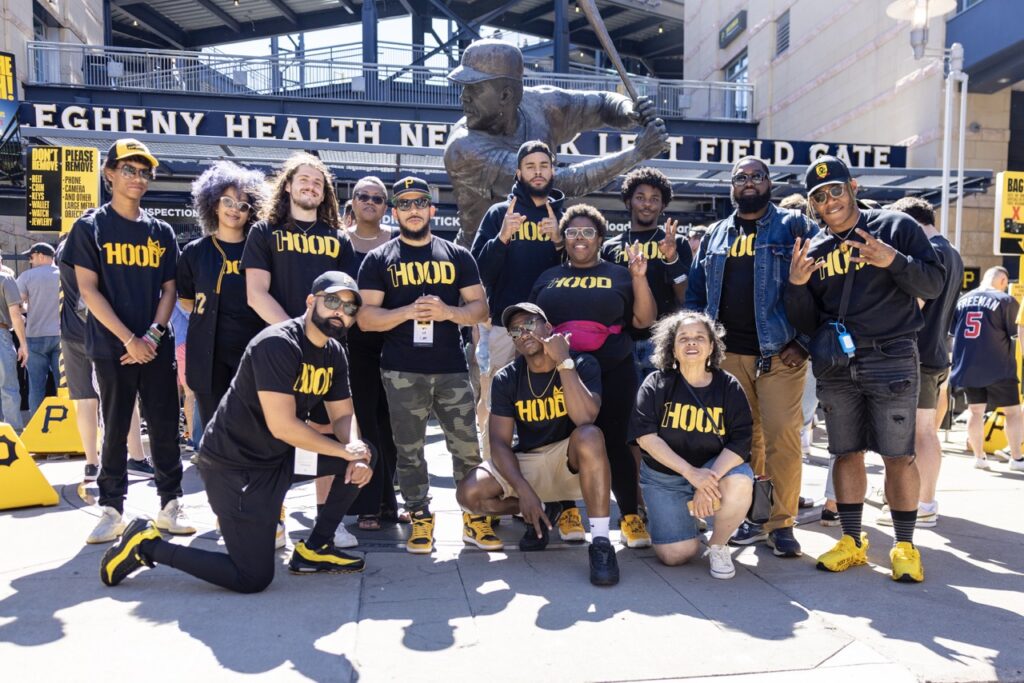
(544, 393)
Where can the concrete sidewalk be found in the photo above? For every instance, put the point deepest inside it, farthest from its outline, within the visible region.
(465, 614)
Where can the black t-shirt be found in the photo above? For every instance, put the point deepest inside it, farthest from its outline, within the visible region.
(72, 308)
(536, 401)
(405, 273)
(736, 312)
(132, 259)
(933, 340)
(602, 294)
(983, 327)
(236, 322)
(295, 257)
(660, 276)
(664, 406)
(283, 360)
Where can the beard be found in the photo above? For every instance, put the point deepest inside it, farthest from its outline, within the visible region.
(415, 235)
(635, 220)
(306, 203)
(539, 191)
(752, 204)
(336, 332)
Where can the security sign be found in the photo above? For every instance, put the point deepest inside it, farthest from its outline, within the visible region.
(63, 182)
(1009, 214)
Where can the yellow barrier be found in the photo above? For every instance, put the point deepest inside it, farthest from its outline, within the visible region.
(21, 482)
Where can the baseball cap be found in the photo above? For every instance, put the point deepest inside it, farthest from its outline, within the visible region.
(487, 59)
(827, 170)
(40, 248)
(334, 281)
(130, 147)
(525, 307)
(532, 147)
(410, 185)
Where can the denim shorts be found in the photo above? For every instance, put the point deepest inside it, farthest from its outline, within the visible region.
(666, 496)
(871, 405)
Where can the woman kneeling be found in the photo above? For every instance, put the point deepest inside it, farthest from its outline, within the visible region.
(693, 422)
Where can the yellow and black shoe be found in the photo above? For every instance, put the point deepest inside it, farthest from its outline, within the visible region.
(476, 530)
(306, 560)
(845, 554)
(421, 538)
(906, 563)
(122, 558)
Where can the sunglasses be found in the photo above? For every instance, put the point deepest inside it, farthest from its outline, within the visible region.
(334, 302)
(577, 233)
(229, 203)
(528, 326)
(406, 204)
(741, 179)
(367, 198)
(129, 171)
(834, 191)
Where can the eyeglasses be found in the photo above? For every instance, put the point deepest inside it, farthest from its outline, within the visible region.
(741, 179)
(334, 302)
(528, 326)
(577, 233)
(366, 198)
(834, 191)
(230, 203)
(129, 171)
(406, 204)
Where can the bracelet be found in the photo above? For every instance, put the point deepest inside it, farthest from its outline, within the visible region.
(673, 261)
(152, 338)
(130, 339)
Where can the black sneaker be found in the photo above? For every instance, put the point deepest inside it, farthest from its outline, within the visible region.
(783, 543)
(529, 542)
(748, 534)
(91, 472)
(140, 468)
(805, 502)
(122, 558)
(829, 517)
(604, 567)
(306, 560)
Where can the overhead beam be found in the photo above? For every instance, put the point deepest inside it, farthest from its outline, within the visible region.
(310, 21)
(446, 11)
(157, 24)
(636, 27)
(228, 20)
(285, 11)
(137, 34)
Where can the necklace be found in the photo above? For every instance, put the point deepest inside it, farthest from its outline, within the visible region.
(544, 393)
(843, 245)
(304, 230)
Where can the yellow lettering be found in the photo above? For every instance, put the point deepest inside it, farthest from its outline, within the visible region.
(232, 267)
(743, 246)
(417, 273)
(316, 245)
(313, 380)
(200, 306)
(142, 255)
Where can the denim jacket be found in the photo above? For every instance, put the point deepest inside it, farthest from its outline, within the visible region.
(773, 249)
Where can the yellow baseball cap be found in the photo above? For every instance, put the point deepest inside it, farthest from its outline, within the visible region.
(130, 147)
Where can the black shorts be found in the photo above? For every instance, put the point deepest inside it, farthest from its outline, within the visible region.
(78, 371)
(932, 380)
(1001, 394)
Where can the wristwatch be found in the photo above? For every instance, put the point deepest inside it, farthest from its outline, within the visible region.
(567, 364)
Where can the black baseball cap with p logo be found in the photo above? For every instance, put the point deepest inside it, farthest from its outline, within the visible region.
(410, 185)
(826, 170)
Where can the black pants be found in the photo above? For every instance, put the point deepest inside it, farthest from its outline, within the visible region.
(618, 394)
(371, 409)
(248, 506)
(155, 384)
(220, 379)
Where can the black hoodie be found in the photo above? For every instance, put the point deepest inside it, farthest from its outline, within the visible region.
(508, 271)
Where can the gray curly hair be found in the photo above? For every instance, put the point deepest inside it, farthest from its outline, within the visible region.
(208, 188)
(663, 337)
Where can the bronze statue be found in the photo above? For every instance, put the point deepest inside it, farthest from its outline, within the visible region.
(501, 114)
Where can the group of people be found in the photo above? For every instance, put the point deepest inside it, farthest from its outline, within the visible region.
(667, 373)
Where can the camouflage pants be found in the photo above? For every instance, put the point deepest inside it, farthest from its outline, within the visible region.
(411, 398)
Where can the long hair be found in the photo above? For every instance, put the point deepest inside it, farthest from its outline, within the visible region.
(208, 188)
(277, 210)
(663, 338)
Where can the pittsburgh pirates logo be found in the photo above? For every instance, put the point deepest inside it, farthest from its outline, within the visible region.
(821, 170)
(408, 183)
(8, 452)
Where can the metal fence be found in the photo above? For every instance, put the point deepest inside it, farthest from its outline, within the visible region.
(338, 76)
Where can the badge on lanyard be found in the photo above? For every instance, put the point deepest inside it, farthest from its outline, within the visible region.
(305, 462)
(423, 333)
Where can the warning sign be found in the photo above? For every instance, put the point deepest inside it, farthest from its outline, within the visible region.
(1009, 214)
(63, 182)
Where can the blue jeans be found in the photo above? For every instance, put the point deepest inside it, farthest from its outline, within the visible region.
(10, 392)
(43, 357)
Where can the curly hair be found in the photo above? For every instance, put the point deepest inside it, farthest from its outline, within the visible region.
(794, 201)
(277, 210)
(663, 338)
(208, 188)
(646, 176)
(915, 207)
(585, 211)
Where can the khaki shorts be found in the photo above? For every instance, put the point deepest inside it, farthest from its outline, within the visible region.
(501, 349)
(547, 471)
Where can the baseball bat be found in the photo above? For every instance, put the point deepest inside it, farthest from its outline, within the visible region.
(589, 8)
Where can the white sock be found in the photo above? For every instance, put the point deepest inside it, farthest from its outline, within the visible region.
(929, 507)
(599, 527)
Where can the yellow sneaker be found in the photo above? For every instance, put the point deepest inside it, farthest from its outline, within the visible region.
(570, 525)
(906, 563)
(634, 533)
(476, 530)
(845, 554)
(421, 538)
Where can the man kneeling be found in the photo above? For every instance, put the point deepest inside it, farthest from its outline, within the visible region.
(258, 444)
(548, 399)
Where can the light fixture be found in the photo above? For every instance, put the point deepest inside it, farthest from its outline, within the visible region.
(661, 29)
(582, 54)
(919, 13)
(236, 3)
(135, 22)
(578, 10)
(1003, 80)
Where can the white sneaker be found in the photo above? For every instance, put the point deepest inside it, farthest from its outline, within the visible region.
(108, 528)
(343, 538)
(805, 439)
(926, 519)
(173, 520)
(1017, 465)
(1002, 455)
(721, 561)
(981, 464)
(281, 537)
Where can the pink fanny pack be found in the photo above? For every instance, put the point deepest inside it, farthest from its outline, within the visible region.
(587, 335)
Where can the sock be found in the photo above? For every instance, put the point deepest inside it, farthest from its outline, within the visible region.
(903, 522)
(849, 517)
(599, 527)
(319, 508)
(316, 541)
(931, 507)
